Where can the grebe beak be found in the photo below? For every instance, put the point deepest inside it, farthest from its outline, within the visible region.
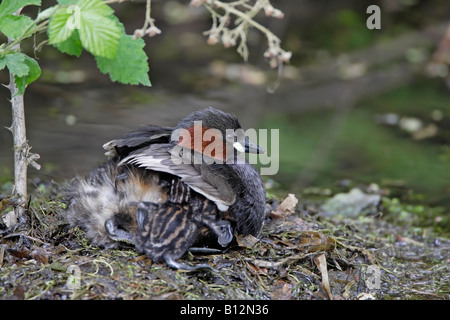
(250, 147)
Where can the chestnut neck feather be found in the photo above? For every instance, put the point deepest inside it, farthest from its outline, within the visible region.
(205, 141)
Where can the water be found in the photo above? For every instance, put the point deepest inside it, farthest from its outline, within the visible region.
(67, 125)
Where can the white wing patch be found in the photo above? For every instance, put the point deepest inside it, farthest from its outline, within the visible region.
(185, 171)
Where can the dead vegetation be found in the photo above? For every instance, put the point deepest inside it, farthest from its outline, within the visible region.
(301, 255)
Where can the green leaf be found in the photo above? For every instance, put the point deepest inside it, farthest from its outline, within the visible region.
(98, 31)
(99, 35)
(14, 26)
(72, 45)
(129, 66)
(58, 29)
(24, 68)
(15, 63)
(95, 6)
(32, 75)
(11, 6)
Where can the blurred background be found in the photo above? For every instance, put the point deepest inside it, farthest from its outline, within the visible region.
(353, 106)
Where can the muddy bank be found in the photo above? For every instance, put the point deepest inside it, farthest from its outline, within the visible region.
(302, 254)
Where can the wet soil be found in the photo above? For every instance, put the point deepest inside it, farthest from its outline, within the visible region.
(301, 254)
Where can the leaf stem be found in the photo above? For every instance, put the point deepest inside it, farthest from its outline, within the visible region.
(13, 45)
(228, 8)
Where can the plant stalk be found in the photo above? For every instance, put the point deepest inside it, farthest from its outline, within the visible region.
(21, 148)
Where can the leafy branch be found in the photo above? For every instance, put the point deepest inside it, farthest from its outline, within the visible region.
(76, 25)
(71, 26)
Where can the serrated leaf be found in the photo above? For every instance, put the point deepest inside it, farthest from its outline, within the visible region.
(16, 64)
(95, 6)
(129, 66)
(58, 29)
(72, 45)
(14, 26)
(32, 75)
(11, 6)
(99, 35)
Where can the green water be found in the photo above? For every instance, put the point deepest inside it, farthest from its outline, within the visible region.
(323, 147)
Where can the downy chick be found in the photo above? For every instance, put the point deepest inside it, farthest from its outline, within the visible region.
(142, 197)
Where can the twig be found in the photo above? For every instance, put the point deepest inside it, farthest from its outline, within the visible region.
(321, 263)
(244, 19)
(149, 24)
(279, 263)
(19, 234)
(14, 44)
(371, 258)
(19, 137)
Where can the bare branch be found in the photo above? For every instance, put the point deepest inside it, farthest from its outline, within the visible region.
(149, 24)
(243, 12)
(21, 148)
